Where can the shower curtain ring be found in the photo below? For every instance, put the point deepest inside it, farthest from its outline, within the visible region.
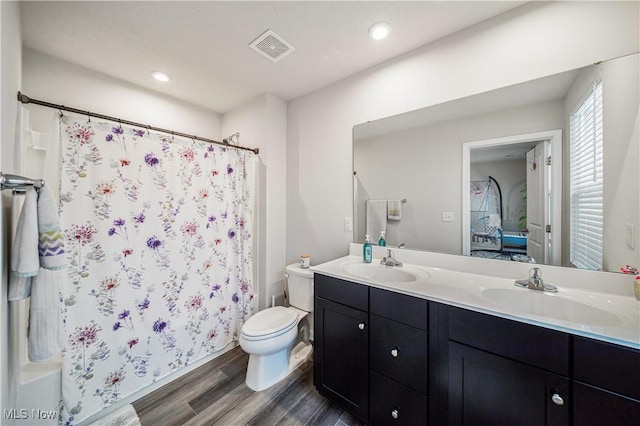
(148, 128)
(60, 110)
(89, 116)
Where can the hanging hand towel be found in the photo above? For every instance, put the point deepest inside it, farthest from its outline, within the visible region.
(394, 209)
(50, 238)
(24, 255)
(376, 218)
(45, 325)
(45, 331)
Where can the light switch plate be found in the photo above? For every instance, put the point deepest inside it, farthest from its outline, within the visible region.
(631, 236)
(447, 216)
(348, 226)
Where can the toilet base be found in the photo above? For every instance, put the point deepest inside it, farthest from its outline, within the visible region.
(280, 365)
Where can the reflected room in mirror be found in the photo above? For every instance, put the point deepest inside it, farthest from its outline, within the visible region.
(543, 172)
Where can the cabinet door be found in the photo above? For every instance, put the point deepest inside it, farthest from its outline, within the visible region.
(341, 362)
(594, 406)
(486, 389)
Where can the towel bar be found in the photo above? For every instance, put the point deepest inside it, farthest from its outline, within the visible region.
(8, 181)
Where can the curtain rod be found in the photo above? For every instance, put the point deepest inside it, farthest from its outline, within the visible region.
(27, 100)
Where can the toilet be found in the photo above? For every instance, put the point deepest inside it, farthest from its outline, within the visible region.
(278, 339)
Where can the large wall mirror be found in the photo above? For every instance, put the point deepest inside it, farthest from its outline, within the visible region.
(496, 175)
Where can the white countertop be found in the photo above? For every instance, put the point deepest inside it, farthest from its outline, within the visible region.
(612, 317)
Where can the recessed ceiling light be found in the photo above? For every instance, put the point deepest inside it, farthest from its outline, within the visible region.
(161, 76)
(379, 31)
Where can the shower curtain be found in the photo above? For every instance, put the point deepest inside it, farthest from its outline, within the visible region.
(159, 244)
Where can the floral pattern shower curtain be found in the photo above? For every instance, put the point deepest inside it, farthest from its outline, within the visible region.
(158, 236)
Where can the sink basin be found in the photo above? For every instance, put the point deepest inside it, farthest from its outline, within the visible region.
(378, 272)
(550, 305)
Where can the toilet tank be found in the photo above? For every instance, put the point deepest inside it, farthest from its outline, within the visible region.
(300, 283)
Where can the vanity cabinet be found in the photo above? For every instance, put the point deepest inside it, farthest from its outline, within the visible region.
(341, 347)
(389, 358)
(503, 372)
(370, 353)
(606, 387)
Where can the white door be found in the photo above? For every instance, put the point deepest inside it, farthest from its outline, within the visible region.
(537, 204)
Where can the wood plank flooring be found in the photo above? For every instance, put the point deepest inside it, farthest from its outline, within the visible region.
(215, 394)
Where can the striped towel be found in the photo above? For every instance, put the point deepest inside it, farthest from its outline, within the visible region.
(45, 325)
(50, 237)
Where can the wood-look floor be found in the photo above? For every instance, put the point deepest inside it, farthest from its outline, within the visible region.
(215, 394)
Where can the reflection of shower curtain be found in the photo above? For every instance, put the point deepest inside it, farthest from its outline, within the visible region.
(160, 257)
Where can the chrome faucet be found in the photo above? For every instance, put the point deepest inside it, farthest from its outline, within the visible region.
(535, 281)
(390, 260)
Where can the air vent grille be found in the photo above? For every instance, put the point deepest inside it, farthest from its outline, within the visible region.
(272, 46)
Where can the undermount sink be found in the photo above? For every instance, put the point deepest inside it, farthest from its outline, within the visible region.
(550, 305)
(378, 272)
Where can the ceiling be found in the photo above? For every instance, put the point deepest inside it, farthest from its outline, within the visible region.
(204, 46)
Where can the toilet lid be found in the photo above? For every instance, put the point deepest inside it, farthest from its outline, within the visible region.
(269, 321)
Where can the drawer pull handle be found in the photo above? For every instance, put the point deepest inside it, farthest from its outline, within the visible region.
(557, 399)
(394, 352)
(361, 326)
(395, 414)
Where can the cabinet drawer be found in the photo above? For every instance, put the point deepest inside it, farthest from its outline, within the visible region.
(537, 346)
(399, 307)
(607, 366)
(343, 292)
(394, 404)
(398, 351)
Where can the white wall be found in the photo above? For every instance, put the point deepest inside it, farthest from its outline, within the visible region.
(262, 124)
(621, 119)
(535, 40)
(11, 69)
(60, 82)
(424, 165)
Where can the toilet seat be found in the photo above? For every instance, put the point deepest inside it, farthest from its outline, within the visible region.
(269, 323)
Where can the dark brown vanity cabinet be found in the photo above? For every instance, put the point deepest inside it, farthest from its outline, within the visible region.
(606, 387)
(390, 358)
(502, 372)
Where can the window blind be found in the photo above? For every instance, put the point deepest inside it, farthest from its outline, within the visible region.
(586, 180)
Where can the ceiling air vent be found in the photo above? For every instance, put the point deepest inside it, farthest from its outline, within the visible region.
(272, 46)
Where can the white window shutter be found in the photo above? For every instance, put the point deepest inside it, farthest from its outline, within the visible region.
(586, 181)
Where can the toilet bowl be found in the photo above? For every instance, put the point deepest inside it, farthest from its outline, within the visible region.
(277, 339)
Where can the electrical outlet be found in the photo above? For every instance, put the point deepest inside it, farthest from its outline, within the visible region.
(447, 216)
(631, 236)
(348, 225)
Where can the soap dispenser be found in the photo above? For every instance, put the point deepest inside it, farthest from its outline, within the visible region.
(367, 250)
(382, 242)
